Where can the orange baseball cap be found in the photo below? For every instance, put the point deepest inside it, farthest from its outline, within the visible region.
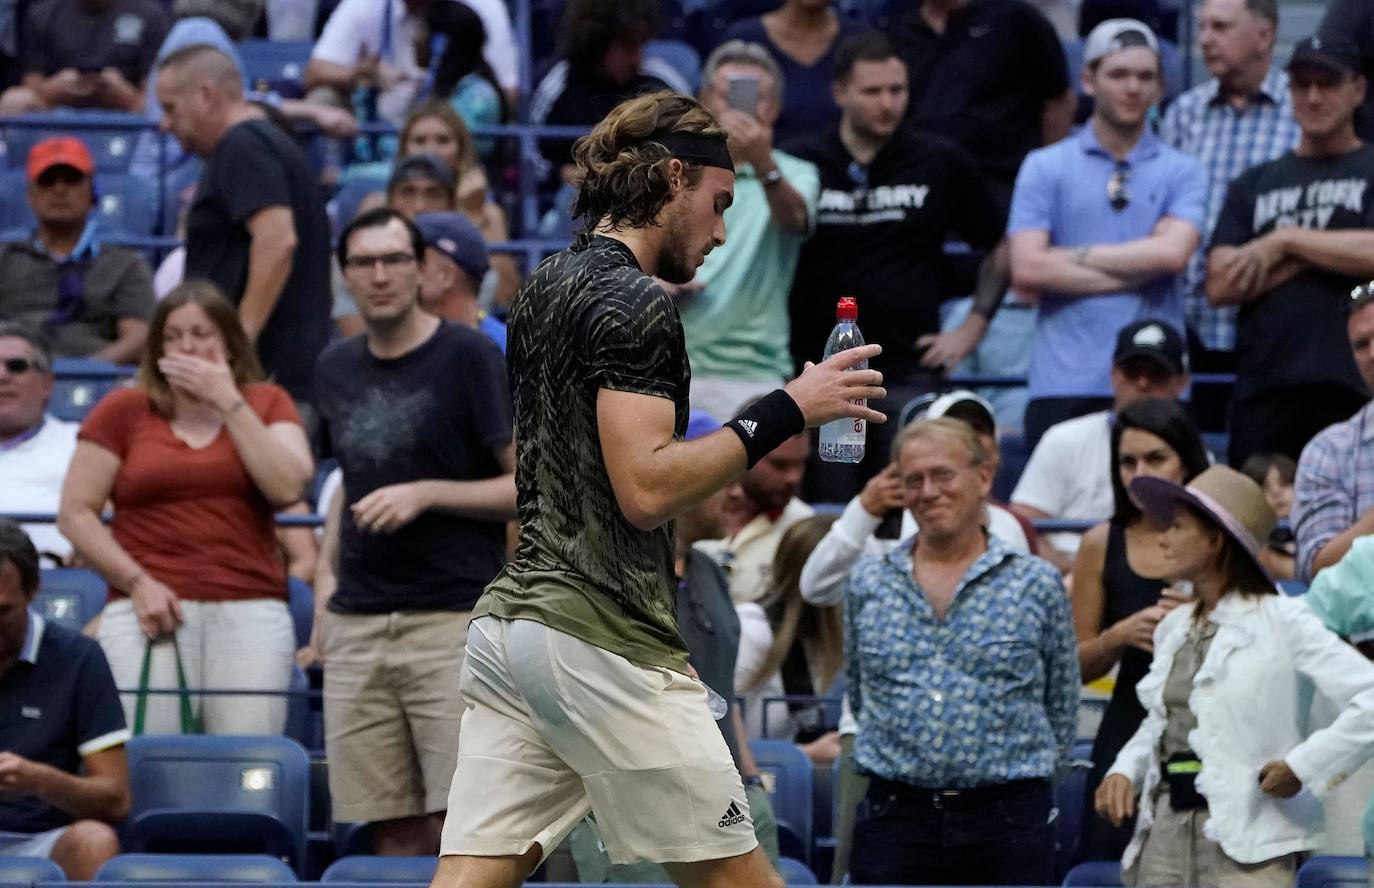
(59, 151)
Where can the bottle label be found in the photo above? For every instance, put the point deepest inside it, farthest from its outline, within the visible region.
(856, 436)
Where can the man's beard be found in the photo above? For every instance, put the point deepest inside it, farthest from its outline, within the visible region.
(674, 262)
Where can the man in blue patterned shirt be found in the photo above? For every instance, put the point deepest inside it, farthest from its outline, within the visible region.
(963, 675)
(1240, 118)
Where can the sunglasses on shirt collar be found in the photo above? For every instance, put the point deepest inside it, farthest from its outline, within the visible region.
(1118, 195)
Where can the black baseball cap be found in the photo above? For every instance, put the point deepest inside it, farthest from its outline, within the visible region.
(1340, 58)
(1157, 340)
(422, 166)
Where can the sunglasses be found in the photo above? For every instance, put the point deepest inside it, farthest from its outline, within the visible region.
(1118, 197)
(18, 366)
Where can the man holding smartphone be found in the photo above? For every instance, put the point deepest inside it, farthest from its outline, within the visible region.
(734, 312)
(86, 54)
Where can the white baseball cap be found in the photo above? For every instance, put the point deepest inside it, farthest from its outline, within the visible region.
(1114, 35)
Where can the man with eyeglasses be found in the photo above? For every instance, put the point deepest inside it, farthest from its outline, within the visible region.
(963, 677)
(35, 448)
(1292, 240)
(92, 299)
(417, 411)
(1102, 226)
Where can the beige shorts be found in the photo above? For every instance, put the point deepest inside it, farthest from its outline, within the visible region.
(556, 727)
(392, 708)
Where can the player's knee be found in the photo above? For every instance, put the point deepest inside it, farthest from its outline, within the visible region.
(83, 847)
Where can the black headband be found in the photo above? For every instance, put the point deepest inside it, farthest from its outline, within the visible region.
(696, 148)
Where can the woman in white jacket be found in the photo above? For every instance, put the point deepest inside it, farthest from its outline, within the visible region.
(1230, 790)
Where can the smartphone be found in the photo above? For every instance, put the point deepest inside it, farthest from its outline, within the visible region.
(742, 93)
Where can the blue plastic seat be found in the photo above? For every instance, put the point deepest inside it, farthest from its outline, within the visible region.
(1334, 872)
(125, 203)
(350, 195)
(109, 135)
(788, 777)
(371, 868)
(794, 872)
(218, 794)
(1070, 799)
(304, 719)
(1095, 874)
(30, 869)
(680, 56)
(70, 596)
(301, 599)
(272, 64)
(194, 868)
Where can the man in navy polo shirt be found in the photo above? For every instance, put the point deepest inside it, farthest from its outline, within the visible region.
(1102, 227)
(59, 711)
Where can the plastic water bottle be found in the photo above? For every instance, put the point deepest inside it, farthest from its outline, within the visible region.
(842, 440)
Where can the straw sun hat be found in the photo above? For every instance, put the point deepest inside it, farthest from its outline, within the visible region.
(1232, 502)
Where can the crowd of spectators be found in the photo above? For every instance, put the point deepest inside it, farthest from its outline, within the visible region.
(335, 306)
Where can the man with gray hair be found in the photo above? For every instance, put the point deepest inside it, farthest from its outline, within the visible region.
(963, 676)
(1240, 118)
(257, 226)
(734, 312)
(35, 448)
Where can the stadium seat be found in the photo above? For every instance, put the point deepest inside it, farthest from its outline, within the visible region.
(681, 56)
(301, 598)
(110, 136)
(182, 868)
(1094, 874)
(794, 872)
(274, 64)
(218, 794)
(370, 868)
(787, 775)
(125, 203)
(74, 394)
(1334, 872)
(353, 839)
(71, 597)
(26, 870)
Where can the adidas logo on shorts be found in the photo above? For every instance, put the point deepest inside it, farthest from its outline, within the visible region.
(732, 816)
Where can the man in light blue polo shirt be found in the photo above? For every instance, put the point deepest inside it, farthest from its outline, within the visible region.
(734, 313)
(1102, 226)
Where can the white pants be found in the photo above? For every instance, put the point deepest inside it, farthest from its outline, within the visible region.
(247, 645)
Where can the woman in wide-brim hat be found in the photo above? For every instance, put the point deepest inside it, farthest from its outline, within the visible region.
(1229, 787)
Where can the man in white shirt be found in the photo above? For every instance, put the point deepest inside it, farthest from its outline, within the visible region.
(370, 43)
(1068, 476)
(759, 508)
(34, 448)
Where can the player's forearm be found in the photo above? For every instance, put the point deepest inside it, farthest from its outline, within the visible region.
(490, 499)
(679, 475)
(94, 797)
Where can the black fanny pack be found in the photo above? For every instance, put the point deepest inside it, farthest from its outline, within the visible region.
(1180, 775)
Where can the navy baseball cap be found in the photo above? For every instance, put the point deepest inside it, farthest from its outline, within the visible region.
(1339, 58)
(1152, 339)
(422, 166)
(454, 235)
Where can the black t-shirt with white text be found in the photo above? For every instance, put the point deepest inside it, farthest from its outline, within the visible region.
(441, 411)
(256, 166)
(880, 235)
(1295, 334)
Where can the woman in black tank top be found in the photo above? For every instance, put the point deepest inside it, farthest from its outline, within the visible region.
(1117, 588)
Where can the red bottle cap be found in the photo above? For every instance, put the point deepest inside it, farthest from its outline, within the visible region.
(847, 309)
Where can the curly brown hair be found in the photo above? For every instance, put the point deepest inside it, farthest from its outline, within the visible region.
(622, 174)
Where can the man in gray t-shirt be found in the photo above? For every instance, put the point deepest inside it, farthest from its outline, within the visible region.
(90, 298)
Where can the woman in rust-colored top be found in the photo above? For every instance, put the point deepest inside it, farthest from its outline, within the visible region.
(194, 459)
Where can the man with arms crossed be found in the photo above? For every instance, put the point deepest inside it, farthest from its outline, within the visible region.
(576, 678)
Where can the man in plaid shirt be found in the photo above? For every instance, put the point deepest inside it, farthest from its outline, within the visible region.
(1334, 501)
(1242, 117)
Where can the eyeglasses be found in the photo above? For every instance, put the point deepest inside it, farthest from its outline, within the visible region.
(388, 260)
(18, 366)
(942, 477)
(1118, 197)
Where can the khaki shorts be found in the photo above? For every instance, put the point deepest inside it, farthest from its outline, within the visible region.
(556, 727)
(392, 708)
